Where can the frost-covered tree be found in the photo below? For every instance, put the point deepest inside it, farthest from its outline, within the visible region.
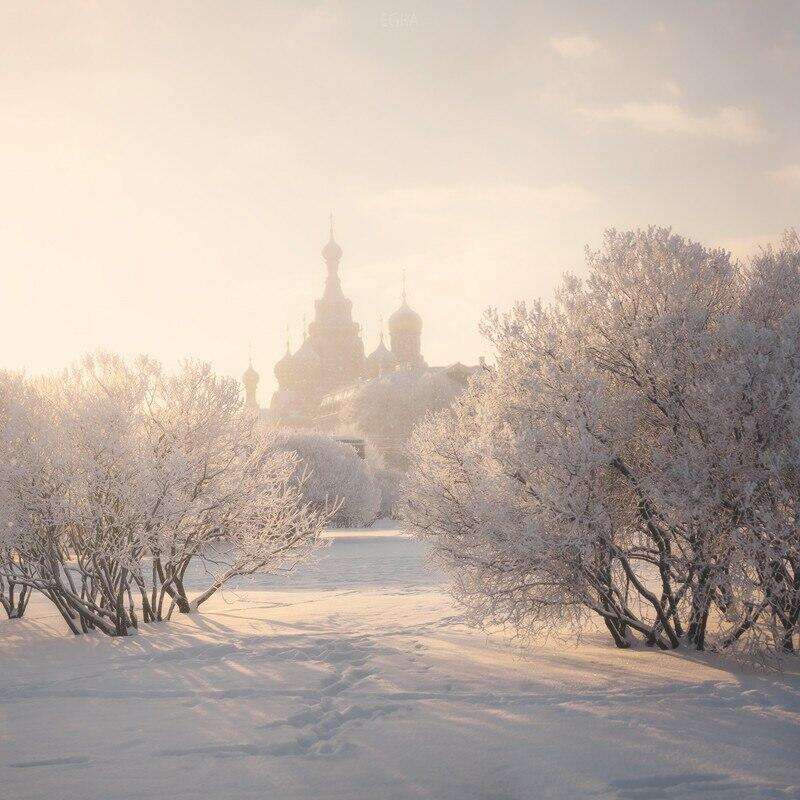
(223, 493)
(96, 407)
(386, 409)
(766, 495)
(34, 530)
(633, 455)
(333, 477)
(14, 595)
(117, 476)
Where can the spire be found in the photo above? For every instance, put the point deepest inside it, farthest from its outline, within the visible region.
(404, 286)
(381, 327)
(331, 252)
(288, 342)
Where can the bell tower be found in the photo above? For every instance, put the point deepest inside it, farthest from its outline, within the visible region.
(333, 334)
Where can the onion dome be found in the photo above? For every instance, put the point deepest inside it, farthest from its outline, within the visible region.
(305, 361)
(250, 376)
(380, 360)
(332, 251)
(283, 369)
(405, 319)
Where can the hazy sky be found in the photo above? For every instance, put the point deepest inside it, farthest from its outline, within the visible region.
(167, 168)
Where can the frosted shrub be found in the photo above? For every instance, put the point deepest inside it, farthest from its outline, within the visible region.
(221, 492)
(634, 455)
(116, 477)
(334, 477)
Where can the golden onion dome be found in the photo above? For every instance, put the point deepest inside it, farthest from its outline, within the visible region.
(405, 319)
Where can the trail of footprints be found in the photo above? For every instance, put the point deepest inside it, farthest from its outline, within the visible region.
(327, 712)
(352, 691)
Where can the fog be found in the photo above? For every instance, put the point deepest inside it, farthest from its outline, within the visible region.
(169, 168)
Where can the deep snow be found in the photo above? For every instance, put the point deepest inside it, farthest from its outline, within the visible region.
(355, 679)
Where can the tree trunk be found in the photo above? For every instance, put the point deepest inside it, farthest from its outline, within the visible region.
(617, 631)
(14, 602)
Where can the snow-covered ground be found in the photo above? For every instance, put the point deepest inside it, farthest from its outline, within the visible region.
(355, 679)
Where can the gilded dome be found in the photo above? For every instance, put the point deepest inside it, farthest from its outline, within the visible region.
(405, 319)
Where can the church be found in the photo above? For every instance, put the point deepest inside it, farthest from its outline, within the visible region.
(330, 363)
